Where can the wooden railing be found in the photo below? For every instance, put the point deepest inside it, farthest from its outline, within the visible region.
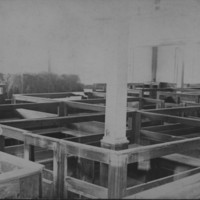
(60, 182)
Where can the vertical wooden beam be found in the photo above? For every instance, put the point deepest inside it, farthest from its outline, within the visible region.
(13, 100)
(137, 127)
(117, 176)
(29, 151)
(2, 140)
(154, 63)
(65, 192)
(161, 104)
(62, 109)
(2, 143)
(58, 171)
(141, 102)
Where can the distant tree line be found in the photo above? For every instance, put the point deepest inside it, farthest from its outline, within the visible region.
(40, 83)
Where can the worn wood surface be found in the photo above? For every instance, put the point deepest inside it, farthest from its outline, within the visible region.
(162, 181)
(117, 176)
(186, 188)
(172, 119)
(85, 188)
(157, 150)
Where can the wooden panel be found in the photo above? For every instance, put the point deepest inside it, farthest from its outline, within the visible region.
(157, 150)
(86, 151)
(33, 99)
(10, 190)
(30, 186)
(85, 106)
(183, 159)
(2, 143)
(48, 130)
(159, 136)
(58, 121)
(47, 189)
(32, 114)
(186, 188)
(161, 128)
(175, 110)
(84, 188)
(136, 126)
(159, 182)
(117, 177)
(41, 141)
(13, 132)
(172, 119)
(182, 131)
(32, 106)
(47, 174)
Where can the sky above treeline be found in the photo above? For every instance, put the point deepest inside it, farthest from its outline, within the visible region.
(62, 35)
(69, 36)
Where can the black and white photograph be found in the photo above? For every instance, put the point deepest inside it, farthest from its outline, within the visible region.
(99, 99)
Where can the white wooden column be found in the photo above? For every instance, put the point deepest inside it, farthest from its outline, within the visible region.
(117, 36)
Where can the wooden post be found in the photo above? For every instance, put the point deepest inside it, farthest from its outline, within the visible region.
(58, 171)
(136, 127)
(154, 63)
(2, 140)
(65, 192)
(117, 176)
(29, 151)
(2, 143)
(62, 109)
(141, 95)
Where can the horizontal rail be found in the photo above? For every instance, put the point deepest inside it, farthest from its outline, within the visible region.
(175, 110)
(158, 150)
(56, 121)
(85, 106)
(86, 151)
(6, 107)
(159, 136)
(86, 188)
(171, 118)
(159, 182)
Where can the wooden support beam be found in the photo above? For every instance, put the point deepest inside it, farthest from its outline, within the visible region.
(172, 119)
(2, 140)
(175, 111)
(29, 153)
(154, 62)
(62, 109)
(158, 150)
(136, 127)
(33, 99)
(58, 121)
(31, 106)
(159, 136)
(156, 185)
(86, 106)
(117, 176)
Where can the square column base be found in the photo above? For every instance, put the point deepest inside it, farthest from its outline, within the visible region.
(119, 145)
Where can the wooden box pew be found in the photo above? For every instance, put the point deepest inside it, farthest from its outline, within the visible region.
(178, 123)
(19, 111)
(19, 178)
(179, 96)
(170, 167)
(124, 179)
(117, 162)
